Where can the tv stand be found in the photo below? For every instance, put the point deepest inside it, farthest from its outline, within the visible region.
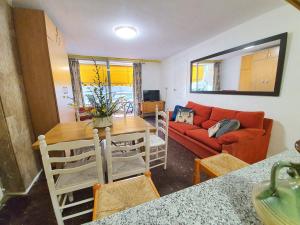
(148, 107)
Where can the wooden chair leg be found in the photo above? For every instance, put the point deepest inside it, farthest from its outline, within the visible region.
(96, 188)
(196, 178)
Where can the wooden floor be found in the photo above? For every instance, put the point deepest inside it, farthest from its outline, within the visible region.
(36, 207)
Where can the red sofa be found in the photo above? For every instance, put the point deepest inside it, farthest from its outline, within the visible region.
(249, 143)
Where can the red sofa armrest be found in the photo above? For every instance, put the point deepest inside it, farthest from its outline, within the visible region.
(170, 115)
(245, 144)
(240, 135)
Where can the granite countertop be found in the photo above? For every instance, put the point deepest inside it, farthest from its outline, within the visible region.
(223, 200)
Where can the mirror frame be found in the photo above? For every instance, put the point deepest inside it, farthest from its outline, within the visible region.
(282, 49)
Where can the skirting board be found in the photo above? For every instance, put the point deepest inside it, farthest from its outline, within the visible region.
(28, 188)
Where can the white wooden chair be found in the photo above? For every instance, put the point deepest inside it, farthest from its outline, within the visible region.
(128, 157)
(79, 172)
(159, 145)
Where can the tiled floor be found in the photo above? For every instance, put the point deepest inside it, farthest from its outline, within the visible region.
(36, 207)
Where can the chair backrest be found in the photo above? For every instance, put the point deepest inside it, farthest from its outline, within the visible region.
(162, 123)
(49, 159)
(132, 146)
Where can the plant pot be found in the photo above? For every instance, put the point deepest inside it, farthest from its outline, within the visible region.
(100, 122)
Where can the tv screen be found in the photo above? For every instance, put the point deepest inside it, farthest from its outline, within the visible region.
(151, 95)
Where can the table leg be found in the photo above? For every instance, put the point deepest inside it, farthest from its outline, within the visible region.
(197, 171)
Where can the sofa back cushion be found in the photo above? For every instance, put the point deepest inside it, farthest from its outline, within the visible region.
(251, 119)
(218, 114)
(201, 112)
(208, 123)
(247, 119)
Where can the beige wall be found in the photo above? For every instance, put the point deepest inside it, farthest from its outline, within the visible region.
(16, 134)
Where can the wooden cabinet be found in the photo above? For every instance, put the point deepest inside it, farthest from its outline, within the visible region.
(45, 69)
(258, 70)
(148, 107)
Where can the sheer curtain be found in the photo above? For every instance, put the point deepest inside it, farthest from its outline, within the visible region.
(76, 84)
(137, 87)
(216, 84)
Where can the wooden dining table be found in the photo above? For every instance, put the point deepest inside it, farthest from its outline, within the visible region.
(83, 130)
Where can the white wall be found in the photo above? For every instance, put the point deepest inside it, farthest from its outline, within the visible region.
(285, 110)
(230, 73)
(151, 76)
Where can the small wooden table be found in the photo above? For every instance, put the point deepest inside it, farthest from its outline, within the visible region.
(84, 130)
(120, 195)
(217, 165)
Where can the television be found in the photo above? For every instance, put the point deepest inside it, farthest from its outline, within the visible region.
(151, 95)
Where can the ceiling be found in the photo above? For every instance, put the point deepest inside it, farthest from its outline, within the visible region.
(165, 26)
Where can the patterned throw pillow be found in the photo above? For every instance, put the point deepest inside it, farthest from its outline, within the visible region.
(185, 115)
(227, 126)
(214, 129)
(223, 127)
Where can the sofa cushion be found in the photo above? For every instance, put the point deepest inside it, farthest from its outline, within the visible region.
(236, 136)
(202, 112)
(182, 127)
(201, 135)
(251, 119)
(208, 124)
(218, 114)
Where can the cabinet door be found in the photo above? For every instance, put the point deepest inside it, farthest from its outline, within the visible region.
(246, 73)
(61, 76)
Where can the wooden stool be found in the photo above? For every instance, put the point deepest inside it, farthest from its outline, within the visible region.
(120, 195)
(217, 165)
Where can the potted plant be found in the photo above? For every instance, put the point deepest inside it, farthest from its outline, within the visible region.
(103, 107)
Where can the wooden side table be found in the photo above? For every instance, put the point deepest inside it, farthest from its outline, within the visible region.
(217, 165)
(148, 107)
(120, 195)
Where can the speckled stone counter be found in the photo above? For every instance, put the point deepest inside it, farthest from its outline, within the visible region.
(223, 200)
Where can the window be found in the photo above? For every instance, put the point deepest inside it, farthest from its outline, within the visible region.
(121, 79)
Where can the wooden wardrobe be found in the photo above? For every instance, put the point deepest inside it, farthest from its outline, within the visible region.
(45, 69)
(258, 70)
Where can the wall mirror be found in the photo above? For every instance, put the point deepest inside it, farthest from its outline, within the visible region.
(250, 69)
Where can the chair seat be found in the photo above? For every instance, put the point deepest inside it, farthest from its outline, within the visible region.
(71, 179)
(128, 167)
(156, 141)
(123, 194)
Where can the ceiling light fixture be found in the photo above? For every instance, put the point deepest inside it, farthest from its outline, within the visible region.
(125, 32)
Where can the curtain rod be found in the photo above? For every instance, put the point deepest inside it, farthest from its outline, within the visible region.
(102, 58)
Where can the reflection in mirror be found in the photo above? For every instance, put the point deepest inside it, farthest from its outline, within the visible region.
(252, 68)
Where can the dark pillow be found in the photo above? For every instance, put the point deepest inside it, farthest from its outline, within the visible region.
(177, 107)
(227, 126)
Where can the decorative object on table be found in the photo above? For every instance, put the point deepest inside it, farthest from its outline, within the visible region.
(277, 202)
(185, 115)
(103, 107)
